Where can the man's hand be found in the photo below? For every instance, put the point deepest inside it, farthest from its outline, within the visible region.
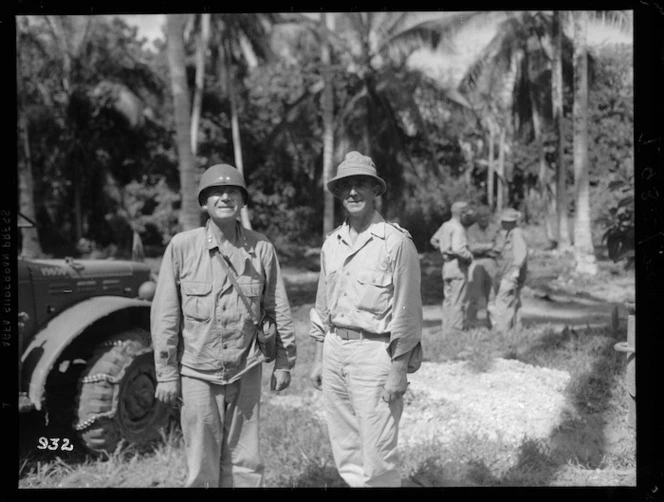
(168, 392)
(316, 375)
(280, 379)
(397, 380)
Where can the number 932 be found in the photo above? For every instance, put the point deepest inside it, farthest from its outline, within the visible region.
(55, 444)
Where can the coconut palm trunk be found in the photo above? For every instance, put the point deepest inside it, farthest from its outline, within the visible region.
(327, 105)
(229, 71)
(30, 246)
(584, 252)
(491, 165)
(562, 227)
(190, 212)
(500, 195)
(201, 49)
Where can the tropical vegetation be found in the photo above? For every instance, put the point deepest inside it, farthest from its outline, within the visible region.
(115, 131)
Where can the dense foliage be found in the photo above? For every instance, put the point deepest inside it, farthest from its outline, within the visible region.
(105, 145)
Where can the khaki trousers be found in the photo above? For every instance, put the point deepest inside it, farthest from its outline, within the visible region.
(363, 428)
(220, 429)
(454, 304)
(480, 285)
(506, 315)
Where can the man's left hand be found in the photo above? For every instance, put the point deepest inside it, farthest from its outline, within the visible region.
(280, 380)
(395, 385)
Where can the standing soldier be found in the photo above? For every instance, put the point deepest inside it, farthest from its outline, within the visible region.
(214, 283)
(482, 238)
(367, 324)
(512, 271)
(450, 239)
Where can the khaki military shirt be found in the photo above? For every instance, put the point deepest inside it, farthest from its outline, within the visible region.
(513, 253)
(481, 241)
(372, 285)
(200, 326)
(451, 241)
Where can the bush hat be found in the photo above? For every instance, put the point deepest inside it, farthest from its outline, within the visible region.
(510, 214)
(356, 164)
(222, 175)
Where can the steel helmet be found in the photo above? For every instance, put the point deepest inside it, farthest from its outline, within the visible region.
(222, 175)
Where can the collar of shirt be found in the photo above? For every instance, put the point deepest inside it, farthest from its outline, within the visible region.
(215, 238)
(237, 251)
(376, 227)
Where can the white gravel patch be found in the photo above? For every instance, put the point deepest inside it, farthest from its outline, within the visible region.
(510, 402)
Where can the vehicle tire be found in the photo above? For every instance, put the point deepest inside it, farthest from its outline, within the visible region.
(116, 395)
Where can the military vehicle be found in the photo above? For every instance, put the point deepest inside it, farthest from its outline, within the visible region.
(85, 350)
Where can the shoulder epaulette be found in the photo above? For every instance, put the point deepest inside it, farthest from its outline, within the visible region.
(332, 231)
(399, 228)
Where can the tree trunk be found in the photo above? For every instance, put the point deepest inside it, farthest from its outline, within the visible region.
(30, 246)
(584, 251)
(200, 80)
(190, 211)
(491, 166)
(500, 196)
(543, 175)
(327, 105)
(235, 124)
(562, 230)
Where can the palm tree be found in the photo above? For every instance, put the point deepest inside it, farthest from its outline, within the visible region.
(327, 106)
(370, 51)
(584, 251)
(189, 210)
(56, 79)
(201, 49)
(30, 246)
(561, 230)
(235, 40)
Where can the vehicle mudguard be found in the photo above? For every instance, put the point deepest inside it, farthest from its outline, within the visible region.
(45, 348)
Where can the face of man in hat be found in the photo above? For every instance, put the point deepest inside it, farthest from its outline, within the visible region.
(223, 203)
(357, 194)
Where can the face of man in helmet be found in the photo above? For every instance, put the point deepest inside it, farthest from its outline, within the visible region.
(357, 194)
(223, 203)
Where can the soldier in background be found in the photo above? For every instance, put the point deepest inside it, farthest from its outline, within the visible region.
(450, 240)
(512, 271)
(482, 239)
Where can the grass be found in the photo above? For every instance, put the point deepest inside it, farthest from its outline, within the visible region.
(296, 450)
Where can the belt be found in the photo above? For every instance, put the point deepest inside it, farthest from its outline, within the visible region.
(356, 334)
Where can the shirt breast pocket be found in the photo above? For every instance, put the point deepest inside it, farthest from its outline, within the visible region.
(197, 300)
(374, 291)
(253, 290)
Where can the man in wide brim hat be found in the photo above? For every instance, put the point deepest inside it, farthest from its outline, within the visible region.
(512, 271)
(356, 164)
(368, 318)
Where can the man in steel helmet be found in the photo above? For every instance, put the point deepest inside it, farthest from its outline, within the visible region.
(367, 323)
(204, 334)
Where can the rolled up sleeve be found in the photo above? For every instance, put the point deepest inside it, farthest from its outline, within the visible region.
(275, 303)
(406, 323)
(166, 318)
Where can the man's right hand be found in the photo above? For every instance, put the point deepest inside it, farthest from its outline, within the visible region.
(316, 375)
(168, 392)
